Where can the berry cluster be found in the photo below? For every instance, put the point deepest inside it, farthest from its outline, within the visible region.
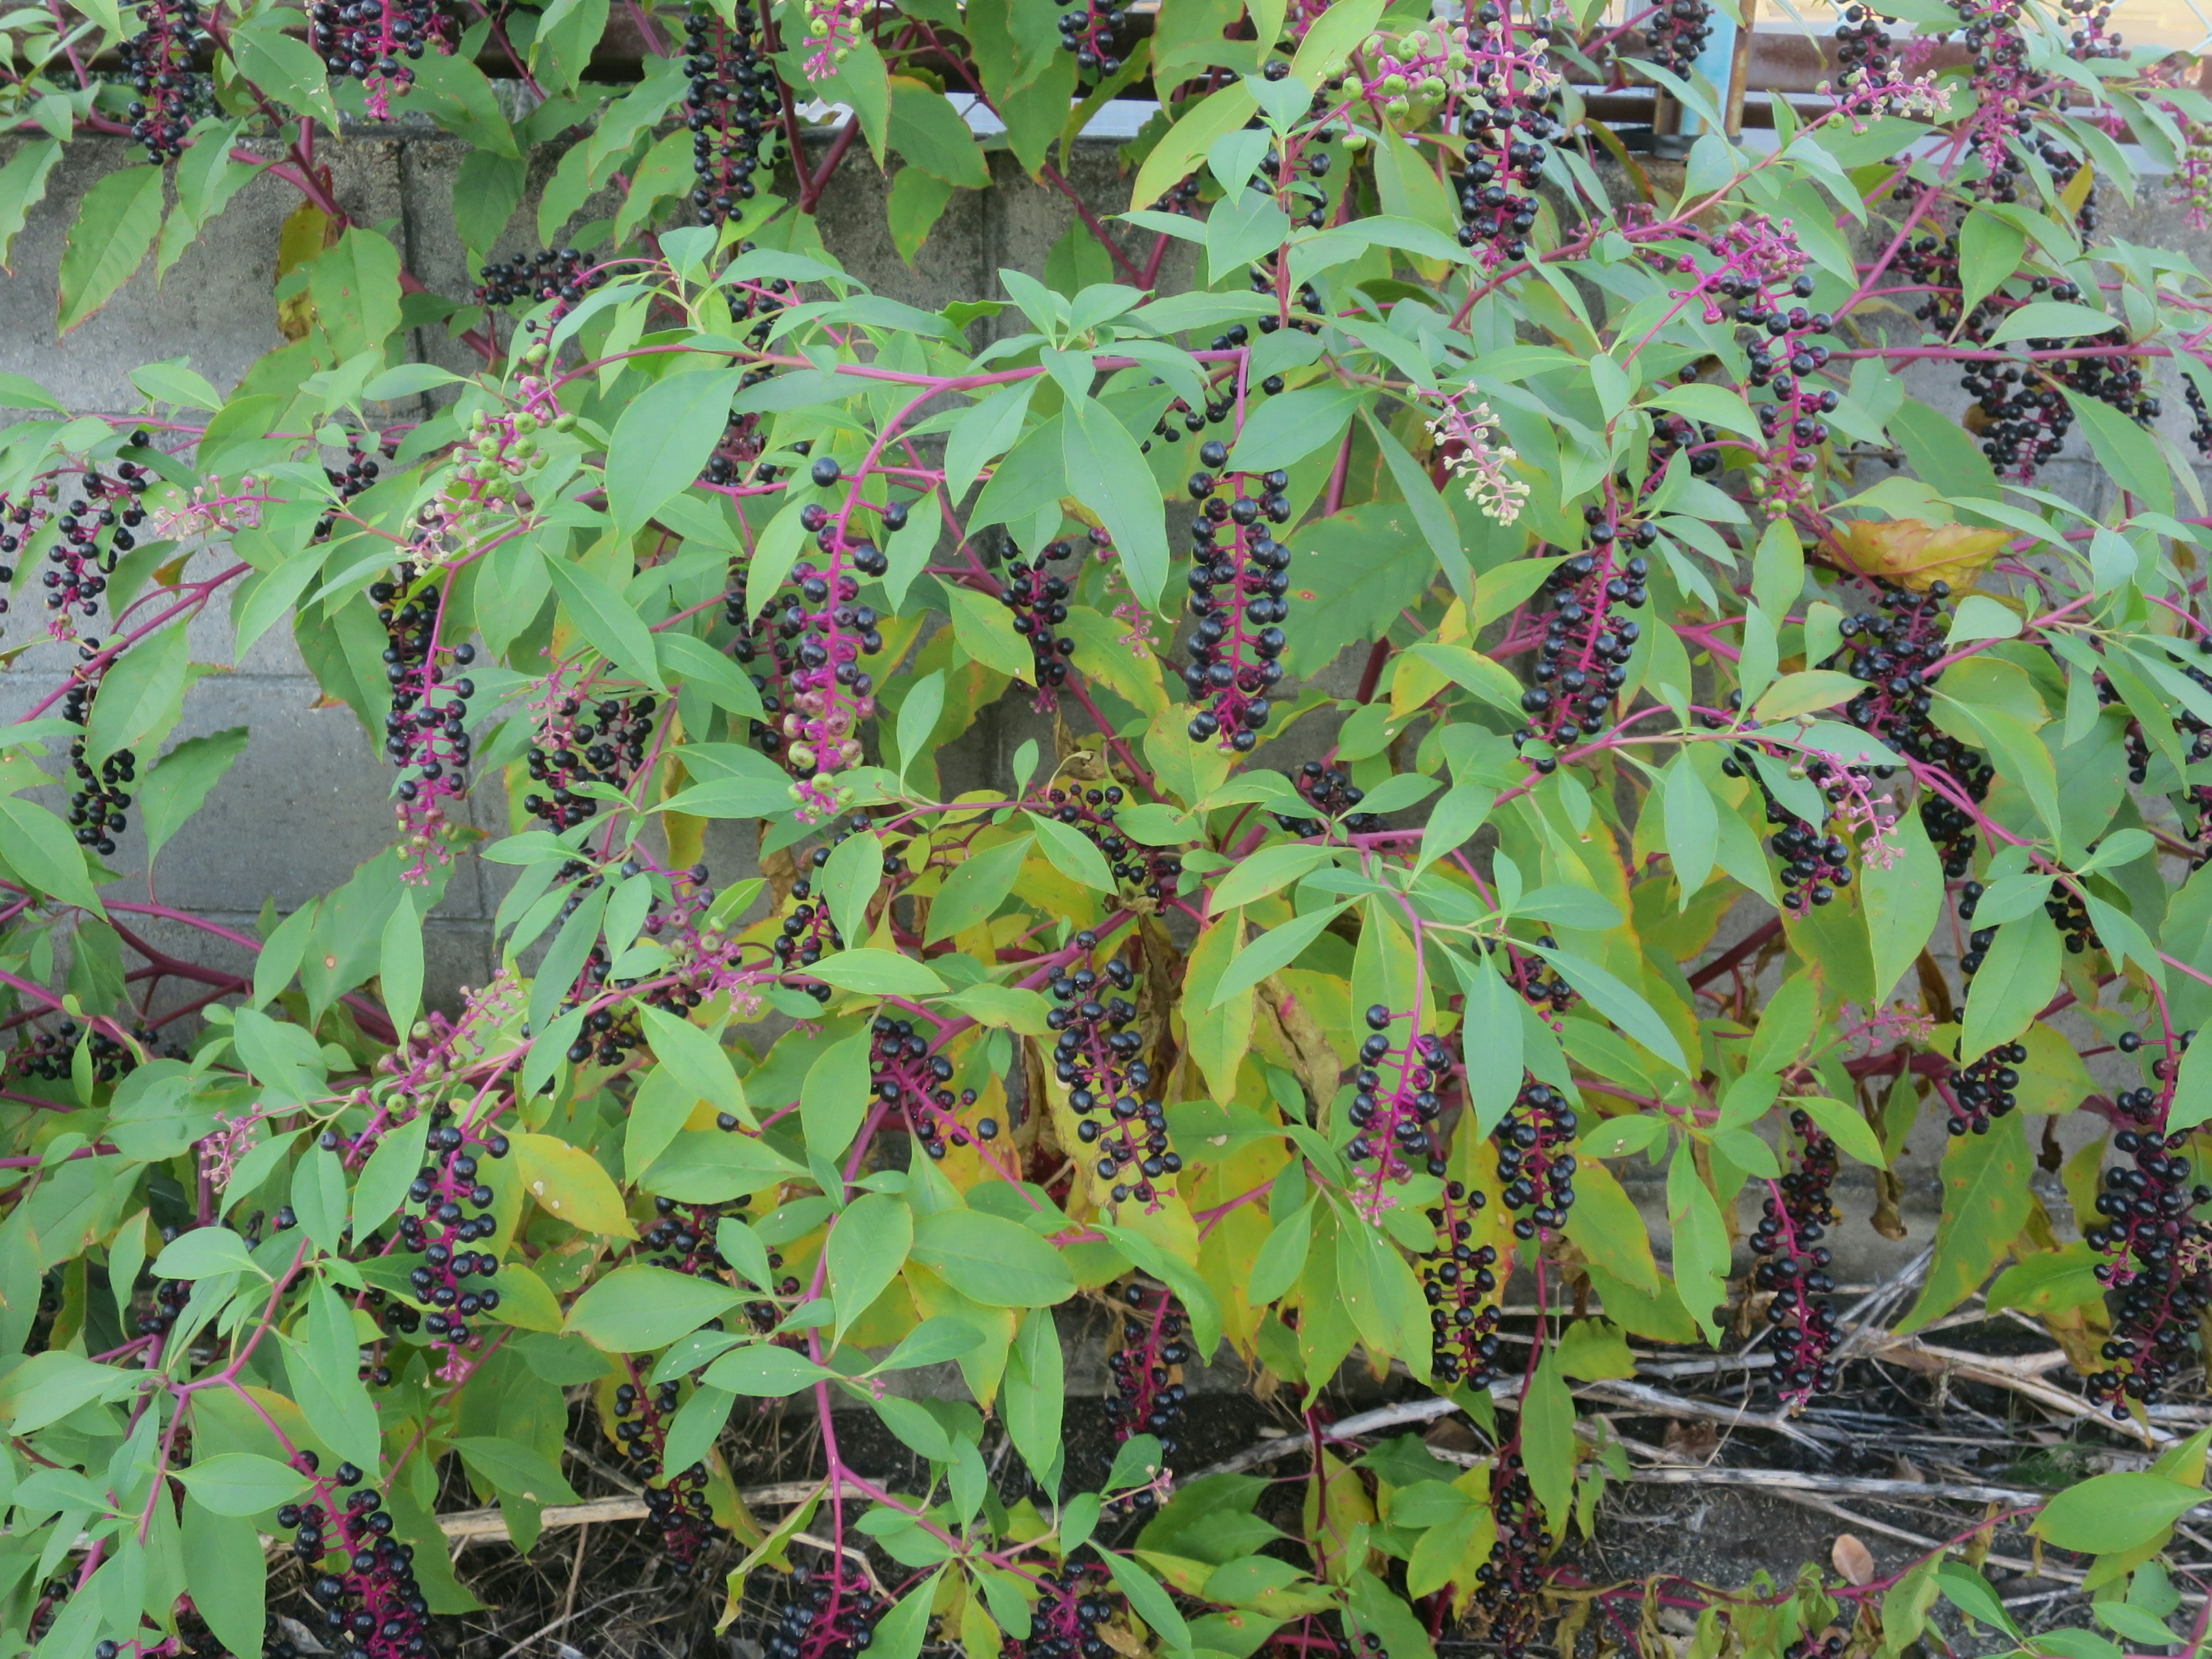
(158, 63)
(1533, 1161)
(1236, 594)
(1508, 97)
(730, 106)
(1813, 865)
(906, 1076)
(109, 512)
(373, 41)
(603, 745)
(675, 1501)
(1793, 1264)
(1092, 811)
(1100, 1060)
(1092, 32)
(1391, 1130)
(1147, 1368)
(496, 457)
(98, 803)
(682, 1237)
(1460, 1286)
(346, 482)
(2069, 912)
(2161, 1273)
(1525, 973)
(1893, 650)
(1673, 435)
(18, 523)
(1038, 597)
(50, 1056)
(1508, 1586)
(831, 1617)
(1073, 1602)
(364, 1578)
(563, 275)
(426, 729)
(454, 1207)
(1583, 662)
(1332, 792)
(1678, 31)
(1980, 1093)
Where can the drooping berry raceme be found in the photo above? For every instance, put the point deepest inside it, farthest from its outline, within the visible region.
(1122, 1127)
(636, 1415)
(1092, 31)
(95, 530)
(916, 1083)
(1582, 661)
(1038, 594)
(447, 1213)
(2161, 1270)
(102, 793)
(1238, 577)
(158, 63)
(1459, 1282)
(1793, 1264)
(1505, 104)
(558, 276)
(582, 741)
(20, 518)
(425, 731)
(1073, 1600)
(1815, 863)
(730, 103)
(1534, 1160)
(831, 1615)
(1507, 1600)
(361, 1577)
(1147, 1366)
(1397, 1097)
(1982, 1090)
(373, 42)
(1332, 792)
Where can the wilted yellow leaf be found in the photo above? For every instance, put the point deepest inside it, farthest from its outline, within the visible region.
(1915, 554)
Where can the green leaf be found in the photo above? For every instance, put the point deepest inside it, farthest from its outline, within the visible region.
(514, 1467)
(399, 970)
(1985, 1203)
(115, 227)
(834, 1099)
(697, 664)
(1846, 1126)
(1267, 871)
(2126, 451)
(1073, 853)
(637, 1307)
(1621, 1004)
(1701, 1241)
(929, 132)
(1108, 474)
(38, 846)
(286, 68)
(203, 1252)
(991, 1259)
(977, 888)
(1438, 526)
(241, 1483)
(1692, 825)
(2018, 978)
(1148, 1600)
(605, 618)
(2047, 1282)
(2110, 1514)
(984, 631)
(2053, 319)
(698, 1059)
(868, 1245)
(1547, 1439)
(356, 285)
(1276, 948)
(141, 696)
(1185, 144)
(877, 972)
(1901, 901)
(662, 445)
(22, 187)
(229, 1574)
(763, 1371)
(1033, 1396)
(1290, 426)
(384, 1180)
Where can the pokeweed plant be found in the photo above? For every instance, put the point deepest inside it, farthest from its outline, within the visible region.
(1549, 516)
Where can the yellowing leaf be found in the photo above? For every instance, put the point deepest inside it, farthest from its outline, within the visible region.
(1915, 553)
(569, 1185)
